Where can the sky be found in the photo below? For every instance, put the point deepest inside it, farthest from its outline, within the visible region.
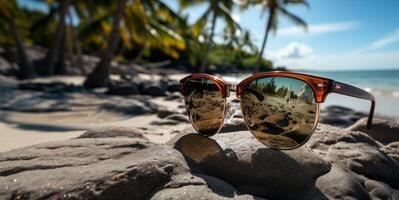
(342, 34)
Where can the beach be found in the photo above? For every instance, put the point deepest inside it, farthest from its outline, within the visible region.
(30, 117)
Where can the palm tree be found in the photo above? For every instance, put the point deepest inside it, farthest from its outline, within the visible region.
(274, 8)
(8, 11)
(144, 24)
(55, 47)
(216, 9)
(100, 76)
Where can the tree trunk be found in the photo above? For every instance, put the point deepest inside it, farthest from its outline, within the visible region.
(208, 45)
(138, 57)
(77, 59)
(55, 45)
(26, 70)
(60, 62)
(259, 60)
(70, 44)
(100, 76)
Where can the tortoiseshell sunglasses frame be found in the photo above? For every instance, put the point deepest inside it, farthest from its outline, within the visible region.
(321, 87)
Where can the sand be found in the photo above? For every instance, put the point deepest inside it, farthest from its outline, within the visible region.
(20, 129)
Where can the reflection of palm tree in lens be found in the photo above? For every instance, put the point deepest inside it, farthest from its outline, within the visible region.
(288, 96)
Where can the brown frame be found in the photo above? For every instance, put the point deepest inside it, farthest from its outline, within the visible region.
(321, 87)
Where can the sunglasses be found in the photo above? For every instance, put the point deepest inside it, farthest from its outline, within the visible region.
(281, 109)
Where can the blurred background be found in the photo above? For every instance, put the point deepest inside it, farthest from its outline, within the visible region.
(69, 65)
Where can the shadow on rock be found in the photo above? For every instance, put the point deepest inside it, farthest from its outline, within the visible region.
(242, 161)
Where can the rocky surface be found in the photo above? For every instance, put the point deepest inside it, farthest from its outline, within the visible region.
(121, 163)
(383, 130)
(340, 116)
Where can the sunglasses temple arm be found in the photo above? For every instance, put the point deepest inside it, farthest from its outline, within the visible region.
(349, 90)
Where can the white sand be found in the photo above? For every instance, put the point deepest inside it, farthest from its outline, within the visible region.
(20, 129)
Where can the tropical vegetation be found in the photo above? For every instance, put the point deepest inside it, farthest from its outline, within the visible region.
(133, 32)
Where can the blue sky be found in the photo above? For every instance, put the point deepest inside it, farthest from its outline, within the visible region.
(342, 35)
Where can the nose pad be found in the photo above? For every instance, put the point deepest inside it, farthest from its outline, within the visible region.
(233, 108)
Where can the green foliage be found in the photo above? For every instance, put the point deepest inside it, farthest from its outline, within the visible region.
(150, 28)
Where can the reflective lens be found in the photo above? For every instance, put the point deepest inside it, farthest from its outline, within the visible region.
(280, 112)
(205, 105)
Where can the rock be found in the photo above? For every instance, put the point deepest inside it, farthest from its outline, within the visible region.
(241, 160)
(131, 106)
(175, 96)
(111, 132)
(341, 184)
(173, 119)
(107, 163)
(339, 109)
(6, 68)
(392, 150)
(178, 117)
(206, 187)
(380, 190)
(323, 137)
(123, 89)
(105, 168)
(383, 130)
(120, 163)
(173, 86)
(344, 184)
(153, 89)
(340, 116)
(164, 112)
(365, 159)
(53, 87)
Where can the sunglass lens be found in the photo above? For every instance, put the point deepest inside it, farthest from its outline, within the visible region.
(280, 112)
(204, 104)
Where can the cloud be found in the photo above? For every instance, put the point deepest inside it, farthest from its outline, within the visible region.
(317, 29)
(384, 41)
(293, 50)
(343, 61)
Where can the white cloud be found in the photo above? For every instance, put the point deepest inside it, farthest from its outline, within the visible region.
(384, 41)
(343, 61)
(293, 50)
(317, 29)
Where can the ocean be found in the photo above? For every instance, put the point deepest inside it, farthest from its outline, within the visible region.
(383, 84)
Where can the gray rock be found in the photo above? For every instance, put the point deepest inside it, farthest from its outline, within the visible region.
(200, 187)
(380, 190)
(383, 130)
(340, 116)
(326, 135)
(173, 86)
(173, 119)
(112, 132)
(241, 160)
(123, 89)
(131, 106)
(341, 184)
(366, 159)
(178, 117)
(112, 163)
(392, 150)
(164, 112)
(105, 168)
(153, 88)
